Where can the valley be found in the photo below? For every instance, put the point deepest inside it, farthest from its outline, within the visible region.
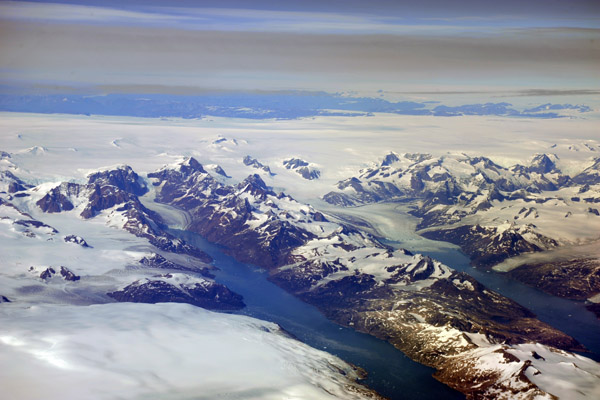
(364, 263)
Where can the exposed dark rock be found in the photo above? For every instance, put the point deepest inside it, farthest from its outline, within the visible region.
(35, 224)
(337, 293)
(589, 176)
(319, 217)
(308, 173)
(280, 237)
(68, 275)
(576, 279)
(339, 199)
(206, 294)
(46, 274)
(4, 299)
(120, 187)
(542, 164)
(104, 197)
(302, 168)
(357, 302)
(254, 185)
(157, 261)
(57, 199)
(254, 228)
(254, 163)
(294, 163)
(489, 383)
(353, 182)
(177, 180)
(77, 240)
(50, 272)
(389, 159)
(225, 140)
(444, 193)
(14, 184)
(143, 222)
(123, 177)
(595, 308)
(486, 246)
(221, 171)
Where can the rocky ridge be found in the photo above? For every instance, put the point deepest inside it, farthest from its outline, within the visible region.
(491, 212)
(114, 193)
(405, 298)
(254, 163)
(575, 279)
(303, 168)
(188, 280)
(180, 288)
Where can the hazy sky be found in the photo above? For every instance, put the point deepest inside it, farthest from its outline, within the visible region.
(311, 45)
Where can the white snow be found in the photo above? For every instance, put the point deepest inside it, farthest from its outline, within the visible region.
(179, 351)
(175, 351)
(365, 138)
(463, 285)
(566, 375)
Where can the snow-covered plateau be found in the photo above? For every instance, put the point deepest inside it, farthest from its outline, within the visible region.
(85, 203)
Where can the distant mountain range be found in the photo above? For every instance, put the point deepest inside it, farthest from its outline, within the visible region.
(283, 105)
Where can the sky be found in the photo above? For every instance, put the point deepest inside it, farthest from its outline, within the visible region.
(335, 46)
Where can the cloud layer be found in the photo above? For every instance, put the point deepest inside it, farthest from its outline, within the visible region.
(312, 49)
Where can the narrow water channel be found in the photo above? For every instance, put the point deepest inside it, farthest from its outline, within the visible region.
(568, 316)
(392, 222)
(390, 372)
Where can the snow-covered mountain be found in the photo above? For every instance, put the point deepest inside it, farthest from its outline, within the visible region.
(304, 168)
(60, 280)
(254, 163)
(492, 212)
(480, 342)
(179, 288)
(408, 299)
(109, 200)
(114, 194)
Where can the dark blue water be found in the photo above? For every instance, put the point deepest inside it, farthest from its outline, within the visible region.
(391, 373)
(568, 316)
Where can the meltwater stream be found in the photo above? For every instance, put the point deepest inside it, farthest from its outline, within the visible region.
(390, 372)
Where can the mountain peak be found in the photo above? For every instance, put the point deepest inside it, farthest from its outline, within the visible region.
(389, 159)
(543, 163)
(121, 176)
(255, 181)
(190, 165)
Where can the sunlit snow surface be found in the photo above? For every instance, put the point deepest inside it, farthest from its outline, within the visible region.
(174, 351)
(340, 146)
(65, 348)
